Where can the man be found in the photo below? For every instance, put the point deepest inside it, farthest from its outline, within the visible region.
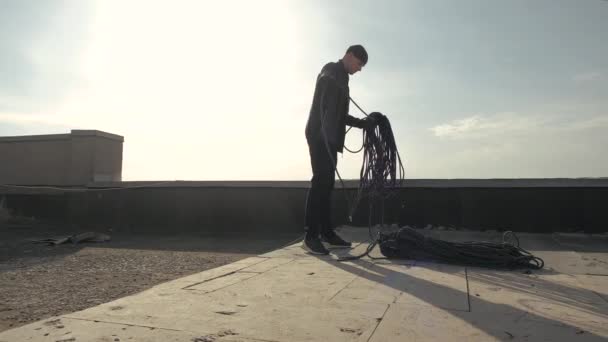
(325, 131)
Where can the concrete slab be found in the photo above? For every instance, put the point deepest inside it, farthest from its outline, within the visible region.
(221, 282)
(597, 284)
(367, 288)
(63, 329)
(414, 285)
(571, 262)
(323, 266)
(271, 321)
(583, 242)
(273, 317)
(282, 322)
(208, 275)
(267, 265)
(442, 286)
(273, 294)
(288, 295)
(595, 263)
(182, 310)
(550, 296)
(302, 284)
(293, 252)
(410, 323)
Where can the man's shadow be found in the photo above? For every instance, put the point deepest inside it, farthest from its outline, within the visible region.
(493, 313)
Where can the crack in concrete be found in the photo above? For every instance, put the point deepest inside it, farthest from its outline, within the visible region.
(259, 339)
(244, 270)
(155, 327)
(524, 314)
(340, 290)
(378, 322)
(210, 279)
(466, 278)
(225, 275)
(600, 295)
(125, 324)
(223, 287)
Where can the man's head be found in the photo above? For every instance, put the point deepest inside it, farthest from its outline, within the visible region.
(354, 59)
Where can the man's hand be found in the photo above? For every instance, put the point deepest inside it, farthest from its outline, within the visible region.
(372, 119)
(376, 115)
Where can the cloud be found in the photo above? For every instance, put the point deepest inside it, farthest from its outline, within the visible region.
(480, 126)
(459, 127)
(598, 122)
(513, 125)
(518, 145)
(589, 76)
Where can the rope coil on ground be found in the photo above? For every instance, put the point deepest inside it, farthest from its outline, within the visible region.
(407, 243)
(382, 173)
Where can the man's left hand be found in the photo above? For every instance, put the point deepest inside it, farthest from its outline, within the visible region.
(373, 119)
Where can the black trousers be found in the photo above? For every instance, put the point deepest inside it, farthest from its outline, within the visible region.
(318, 203)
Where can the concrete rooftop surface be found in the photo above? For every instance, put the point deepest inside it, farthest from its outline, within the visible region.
(287, 295)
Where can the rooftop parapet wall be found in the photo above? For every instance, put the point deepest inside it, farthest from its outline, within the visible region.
(532, 205)
(73, 159)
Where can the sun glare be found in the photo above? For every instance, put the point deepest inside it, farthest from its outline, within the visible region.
(189, 72)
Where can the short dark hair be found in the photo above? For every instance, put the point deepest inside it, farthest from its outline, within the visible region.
(359, 52)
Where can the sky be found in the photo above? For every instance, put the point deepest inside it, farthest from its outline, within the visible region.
(221, 90)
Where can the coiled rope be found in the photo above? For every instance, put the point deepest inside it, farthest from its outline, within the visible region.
(382, 174)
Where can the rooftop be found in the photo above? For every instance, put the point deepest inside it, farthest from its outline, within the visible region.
(287, 295)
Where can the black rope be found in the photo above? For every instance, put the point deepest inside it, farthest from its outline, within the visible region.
(382, 174)
(411, 244)
(382, 171)
(407, 243)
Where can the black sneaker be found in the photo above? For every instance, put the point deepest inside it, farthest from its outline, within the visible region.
(333, 240)
(314, 246)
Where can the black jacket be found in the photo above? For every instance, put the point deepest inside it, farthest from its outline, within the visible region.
(329, 109)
